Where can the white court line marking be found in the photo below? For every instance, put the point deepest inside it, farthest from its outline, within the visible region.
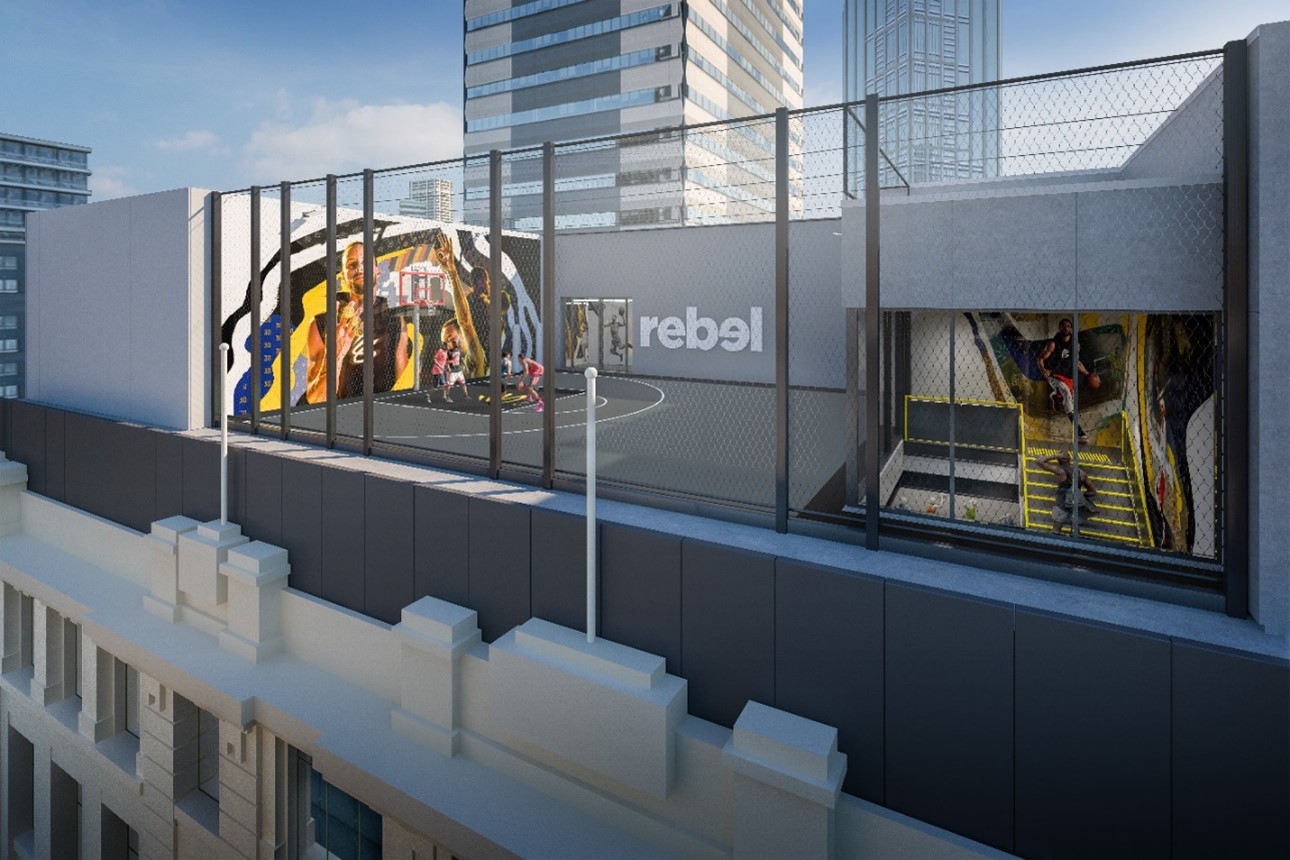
(599, 401)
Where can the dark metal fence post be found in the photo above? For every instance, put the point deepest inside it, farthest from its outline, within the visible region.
(781, 320)
(284, 309)
(548, 312)
(495, 313)
(218, 371)
(1235, 534)
(369, 314)
(872, 319)
(257, 355)
(329, 336)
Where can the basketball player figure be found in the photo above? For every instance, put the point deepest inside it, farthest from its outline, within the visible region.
(455, 375)
(1058, 365)
(530, 381)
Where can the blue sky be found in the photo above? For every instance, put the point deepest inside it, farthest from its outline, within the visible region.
(225, 93)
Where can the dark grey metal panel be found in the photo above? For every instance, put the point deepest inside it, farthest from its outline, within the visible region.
(110, 470)
(343, 551)
(828, 662)
(262, 495)
(27, 441)
(568, 54)
(727, 629)
(201, 479)
(1231, 754)
(4, 423)
(499, 565)
(640, 590)
(442, 545)
(559, 568)
(54, 454)
(949, 703)
(168, 488)
(388, 580)
(302, 524)
(1092, 742)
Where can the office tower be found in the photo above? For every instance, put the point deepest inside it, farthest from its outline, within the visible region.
(428, 198)
(34, 174)
(895, 47)
(558, 70)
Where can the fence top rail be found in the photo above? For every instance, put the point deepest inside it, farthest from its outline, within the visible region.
(464, 160)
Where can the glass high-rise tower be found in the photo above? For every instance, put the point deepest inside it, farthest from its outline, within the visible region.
(34, 175)
(896, 47)
(565, 70)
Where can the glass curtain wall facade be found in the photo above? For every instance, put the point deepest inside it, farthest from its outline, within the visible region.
(560, 70)
(896, 47)
(34, 175)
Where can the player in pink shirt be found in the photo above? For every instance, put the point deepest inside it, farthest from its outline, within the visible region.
(530, 381)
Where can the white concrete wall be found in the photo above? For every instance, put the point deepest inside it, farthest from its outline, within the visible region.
(117, 306)
(373, 705)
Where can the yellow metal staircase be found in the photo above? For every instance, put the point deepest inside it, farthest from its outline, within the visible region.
(1117, 519)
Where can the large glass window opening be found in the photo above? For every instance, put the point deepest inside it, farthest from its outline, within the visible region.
(1099, 425)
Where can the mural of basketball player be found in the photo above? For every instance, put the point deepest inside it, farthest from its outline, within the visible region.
(1058, 365)
(472, 345)
(389, 346)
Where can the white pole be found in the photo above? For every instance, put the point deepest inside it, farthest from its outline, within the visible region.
(223, 436)
(591, 504)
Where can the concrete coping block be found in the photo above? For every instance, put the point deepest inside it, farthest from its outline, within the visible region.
(216, 532)
(11, 472)
(563, 645)
(256, 563)
(439, 621)
(786, 741)
(171, 528)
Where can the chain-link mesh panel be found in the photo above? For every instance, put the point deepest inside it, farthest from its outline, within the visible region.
(520, 293)
(269, 331)
(1140, 119)
(688, 313)
(824, 420)
(235, 302)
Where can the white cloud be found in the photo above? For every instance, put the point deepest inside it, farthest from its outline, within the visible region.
(108, 182)
(196, 140)
(340, 137)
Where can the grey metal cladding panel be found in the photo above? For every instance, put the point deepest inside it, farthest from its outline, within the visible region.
(499, 565)
(201, 479)
(559, 568)
(302, 524)
(568, 54)
(578, 89)
(111, 470)
(591, 125)
(441, 545)
(917, 266)
(55, 452)
(1153, 249)
(566, 18)
(343, 532)
(727, 629)
(262, 505)
(168, 497)
(828, 662)
(949, 704)
(1092, 741)
(640, 590)
(1231, 754)
(388, 547)
(27, 441)
(1015, 250)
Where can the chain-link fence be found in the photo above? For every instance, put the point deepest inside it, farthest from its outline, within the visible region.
(1051, 288)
